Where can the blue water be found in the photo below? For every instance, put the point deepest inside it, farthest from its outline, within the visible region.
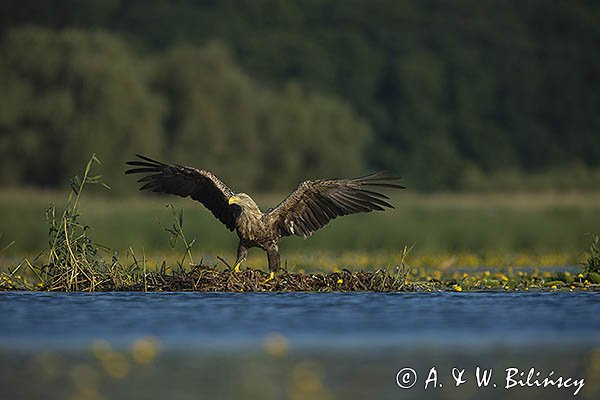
(337, 345)
(306, 320)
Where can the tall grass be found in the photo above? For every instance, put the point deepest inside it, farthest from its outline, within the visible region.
(177, 234)
(591, 265)
(73, 258)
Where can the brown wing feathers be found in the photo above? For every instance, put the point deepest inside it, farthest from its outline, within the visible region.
(314, 203)
(200, 185)
(310, 207)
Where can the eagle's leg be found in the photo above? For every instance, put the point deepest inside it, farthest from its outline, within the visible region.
(274, 262)
(242, 252)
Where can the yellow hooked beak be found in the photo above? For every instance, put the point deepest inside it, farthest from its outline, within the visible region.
(233, 200)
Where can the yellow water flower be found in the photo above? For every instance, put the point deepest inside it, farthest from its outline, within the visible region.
(580, 275)
(458, 288)
(553, 286)
(340, 281)
(116, 365)
(276, 345)
(144, 350)
(306, 381)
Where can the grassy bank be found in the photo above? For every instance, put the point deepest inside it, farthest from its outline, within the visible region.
(484, 225)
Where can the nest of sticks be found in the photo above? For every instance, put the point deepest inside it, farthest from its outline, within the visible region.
(211, 279)
(202, 278)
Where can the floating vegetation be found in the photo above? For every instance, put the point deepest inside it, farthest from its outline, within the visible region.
(213, 279)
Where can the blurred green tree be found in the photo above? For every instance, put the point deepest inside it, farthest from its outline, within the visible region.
(307, 135)
(213, 112)
(480, 89)
(66, 95)
(222, 120)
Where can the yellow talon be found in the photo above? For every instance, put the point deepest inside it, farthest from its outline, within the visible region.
(270, 278)
(237, 267)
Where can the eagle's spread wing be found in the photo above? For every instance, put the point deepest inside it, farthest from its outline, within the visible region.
(314, 203)
(186, 181)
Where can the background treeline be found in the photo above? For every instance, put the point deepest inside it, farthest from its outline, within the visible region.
(452, 95)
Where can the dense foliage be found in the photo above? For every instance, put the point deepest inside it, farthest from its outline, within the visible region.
(267, 92)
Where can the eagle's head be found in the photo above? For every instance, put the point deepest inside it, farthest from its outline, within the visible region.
(245, 202)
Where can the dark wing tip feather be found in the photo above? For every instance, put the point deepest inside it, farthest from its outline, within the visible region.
(381, 179)
(146, 161)
(373, 175)
(140, 170)
(150, 160)
(147, 165)
(386, 185)
(375, 194)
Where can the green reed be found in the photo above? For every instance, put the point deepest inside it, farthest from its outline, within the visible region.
(73, 259)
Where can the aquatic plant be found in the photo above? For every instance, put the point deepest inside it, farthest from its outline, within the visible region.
(400, 273)
(591, 265)
(73, 260)
(177, 234)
